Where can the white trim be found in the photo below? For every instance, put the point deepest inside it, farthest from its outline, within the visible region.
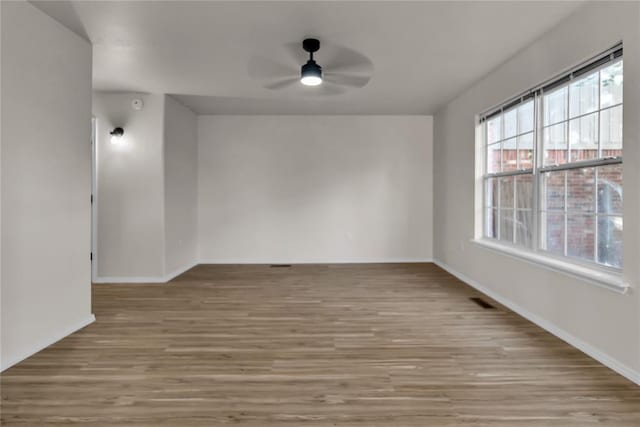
(130, 279)
(44, 344)
(595, 276)
(163, 163)
(94, 196)
(145, 279)
(267, 261)
(565, 336)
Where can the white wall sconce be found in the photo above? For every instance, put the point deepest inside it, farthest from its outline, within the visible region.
(116, 135)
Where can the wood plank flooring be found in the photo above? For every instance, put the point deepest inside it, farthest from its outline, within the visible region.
(339, 345)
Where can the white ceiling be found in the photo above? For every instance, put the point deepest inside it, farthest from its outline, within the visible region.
(423, 53)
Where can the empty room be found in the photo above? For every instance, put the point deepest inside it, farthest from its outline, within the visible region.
(320, 213)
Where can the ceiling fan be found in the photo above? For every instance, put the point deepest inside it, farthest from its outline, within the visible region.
(342, 69)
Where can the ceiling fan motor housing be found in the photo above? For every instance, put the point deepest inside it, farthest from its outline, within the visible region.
(311, 45)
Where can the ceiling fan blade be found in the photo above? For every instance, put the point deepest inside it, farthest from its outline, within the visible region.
(342, 59)
(281, 84)
(263, 68)
(347, 80)
(295, 54)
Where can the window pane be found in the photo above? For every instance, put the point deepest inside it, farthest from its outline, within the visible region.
(524, 191)
(491, 194)
(555, 144)
(610, 189)
(583, 137)
(580, 236)
(611, 85)
(525, 117)
(494, 158)
(525, 151)
(506, 225)
(610, 240)
(506, 192)
(555, 106)
(581, 190)
(553, 190)
(583, 95)
(553, 232)
(524, 227)
(509, 155)
(494, 129)
(510, 123)
(491, 223)
(611, 132)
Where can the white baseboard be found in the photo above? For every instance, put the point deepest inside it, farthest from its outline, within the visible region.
(170, 276)
(145, 279)
(565, 336)
(262, 261)
(132, 279)
(44, 344)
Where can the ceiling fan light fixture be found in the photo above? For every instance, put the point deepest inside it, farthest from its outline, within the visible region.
(311, 74)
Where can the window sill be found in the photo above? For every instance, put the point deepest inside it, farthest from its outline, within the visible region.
(595, 276)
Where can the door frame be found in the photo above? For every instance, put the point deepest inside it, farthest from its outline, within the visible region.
(94, 198)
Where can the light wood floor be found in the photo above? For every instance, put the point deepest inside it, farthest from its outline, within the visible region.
(352, 345)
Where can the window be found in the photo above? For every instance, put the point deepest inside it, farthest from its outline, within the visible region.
(553, 166)
(509, 179)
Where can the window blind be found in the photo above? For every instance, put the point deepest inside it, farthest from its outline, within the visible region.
(605, 57)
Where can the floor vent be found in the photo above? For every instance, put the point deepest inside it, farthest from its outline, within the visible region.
(482, 303)
(280, 265)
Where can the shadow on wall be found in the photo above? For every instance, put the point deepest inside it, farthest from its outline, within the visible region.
(280, 103)
(65, 13)
(272, 103)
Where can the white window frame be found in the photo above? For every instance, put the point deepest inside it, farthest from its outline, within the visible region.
(593, 272)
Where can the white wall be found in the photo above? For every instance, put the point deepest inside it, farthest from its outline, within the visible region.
(181, 194)
(297, 189)
(46, 182)
(601, 322)
(146, 188)
(130, 188)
